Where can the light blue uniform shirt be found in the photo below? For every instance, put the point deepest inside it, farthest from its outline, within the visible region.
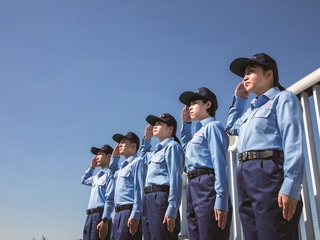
(274, 121)
(129, 184)
(165, 166)
(208, 148)
(102, 191)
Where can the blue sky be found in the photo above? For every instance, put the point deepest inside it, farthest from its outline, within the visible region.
(75, 72)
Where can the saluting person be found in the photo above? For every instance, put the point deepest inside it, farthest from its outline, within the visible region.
(270, 147)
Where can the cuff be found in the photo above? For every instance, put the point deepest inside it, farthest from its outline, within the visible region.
(135, 215)
(114, 163)
(186, 127)
(146, 142)
(291, 189)
(221, 204)
(90, 170)
(172, 212)
(239, 102)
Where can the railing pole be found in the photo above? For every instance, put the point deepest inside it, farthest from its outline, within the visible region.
(316, 97)
(306, 210)
(236, 224)
(313, 161)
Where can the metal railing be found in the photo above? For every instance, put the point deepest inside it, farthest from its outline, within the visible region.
(305, 89)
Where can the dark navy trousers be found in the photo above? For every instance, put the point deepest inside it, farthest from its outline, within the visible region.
(201, 197)
(120, 230)
(156, 204)
(259, 183)
(90, 231)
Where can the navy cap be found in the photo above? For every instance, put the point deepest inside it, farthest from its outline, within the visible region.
(105, 148)
(129, 135)
(201, 93)
(238, 66)
(166, 118)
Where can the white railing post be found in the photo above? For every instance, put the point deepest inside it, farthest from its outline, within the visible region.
(313, 161)
(183, 209)
(316, 97)
(235, 231)
(306, 211)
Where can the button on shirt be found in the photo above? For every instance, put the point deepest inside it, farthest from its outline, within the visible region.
(208, 148)
(276, 123)
(102, 191)
(129, 184)
(165, 166)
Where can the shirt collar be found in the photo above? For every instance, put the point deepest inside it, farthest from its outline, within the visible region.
(131, 158)
(205, 121)
(166, 141)
(269, 94)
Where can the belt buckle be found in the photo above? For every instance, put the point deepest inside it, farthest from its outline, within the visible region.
(193, 174)
(254, 154)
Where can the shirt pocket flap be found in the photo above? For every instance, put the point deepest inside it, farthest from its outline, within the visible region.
(197, 139)
(262, 113)
(158, 158)
(125, 173)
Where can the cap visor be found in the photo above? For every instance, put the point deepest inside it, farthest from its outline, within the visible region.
(118, 137)
(238, 66)
(95, 150)
(187, 97)
(151, 119)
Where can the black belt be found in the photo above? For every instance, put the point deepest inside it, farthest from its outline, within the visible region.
(261, 154)
(123, 207)
(198, 172)
(156, 188)
(94, 210)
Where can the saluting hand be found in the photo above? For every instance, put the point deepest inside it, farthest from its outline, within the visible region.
(288, 206)
(171, 223)
(185, 115)
(148, 133)
(116, 152)
(241, 91)
(221, 217)
(93, 162)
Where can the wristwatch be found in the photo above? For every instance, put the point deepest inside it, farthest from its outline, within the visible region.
(105, 219)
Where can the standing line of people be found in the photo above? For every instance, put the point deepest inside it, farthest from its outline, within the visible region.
(145, 190)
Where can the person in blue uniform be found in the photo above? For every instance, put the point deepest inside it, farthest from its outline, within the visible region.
(270, 147)
(129, 188)
(163, 186)
(98, 222)
(209, 210)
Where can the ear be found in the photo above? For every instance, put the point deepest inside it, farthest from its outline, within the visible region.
(134, 145)
(269, 74)
(171, 128)
(209, 103)
(270, 77)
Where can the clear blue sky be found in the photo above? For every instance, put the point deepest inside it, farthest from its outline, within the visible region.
(74, 72)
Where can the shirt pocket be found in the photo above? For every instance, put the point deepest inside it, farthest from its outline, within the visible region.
(199, 147)
(197, 139)
(125, 173)
(158, 158)
(101, 182)
(262, 122)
